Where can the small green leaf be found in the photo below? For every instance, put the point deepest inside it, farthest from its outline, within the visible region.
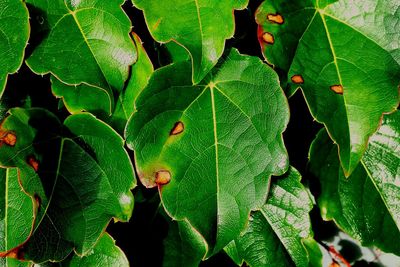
(105, 253)
(277, 234)
(344, 55)
(83, 97)
(199, 26)
(211, 148)
(183, 246)
(81, 178)
(17, 212)
(14, 35)
(82, 41)
(366, 205)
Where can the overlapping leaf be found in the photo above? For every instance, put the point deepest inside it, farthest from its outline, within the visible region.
(198, 25)
(367, 204)
(80, 178)
(344, 55)
(105, 253)
(212, 147)
(96, 99)
(84, 41)
(279, 234)
(17, 212)
(140, 75)
(14, 35)
(183, 246)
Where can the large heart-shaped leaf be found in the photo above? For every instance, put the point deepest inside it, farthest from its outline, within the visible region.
(212, 147)
(81, 178)
(200, 26)
(345, 56)
(17, 212)
(14, 35)
(278, 234)
(367, 204)
(84, 41)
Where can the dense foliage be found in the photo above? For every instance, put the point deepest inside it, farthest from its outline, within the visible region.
(193, 128)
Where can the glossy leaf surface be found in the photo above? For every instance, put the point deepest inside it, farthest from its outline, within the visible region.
(183, 246)
(80, 178)
(83, 41)
(200, 26)
(17, 212)
(345, 57)
(276, 233)
(211, 148)
(14, 35)
(366, 205)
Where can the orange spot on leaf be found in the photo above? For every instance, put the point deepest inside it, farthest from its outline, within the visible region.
(338, 89)
(275, 18)
(297, 79)
(163, 177)
(268, 38)
(178, 128)
(9, 139)
(15, 253)
(38, 201)
(33, 163)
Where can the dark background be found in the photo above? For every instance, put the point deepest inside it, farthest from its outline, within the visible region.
(142, 238)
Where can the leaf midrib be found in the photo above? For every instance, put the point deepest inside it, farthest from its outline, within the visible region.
(73, 14)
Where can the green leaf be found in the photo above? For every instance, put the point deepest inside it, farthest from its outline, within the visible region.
(276, 234)
(17, 213)
(140, 75)
(10, 262)
(366, 205)
(200, 26)
(14, 35)
(347, 54)
(83, 41)
(105, 253)
(211, 148)
(83, 97)
(80, 176)
(97, 101)
(183, 246)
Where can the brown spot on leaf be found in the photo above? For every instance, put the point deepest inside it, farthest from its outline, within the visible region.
(33, 163)
(9, 139)
(163, 177)
(338, 89)
(275, 18)
(38, 201)
(268, 38)
(15, 253)
(297, 79)
(178, 128)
